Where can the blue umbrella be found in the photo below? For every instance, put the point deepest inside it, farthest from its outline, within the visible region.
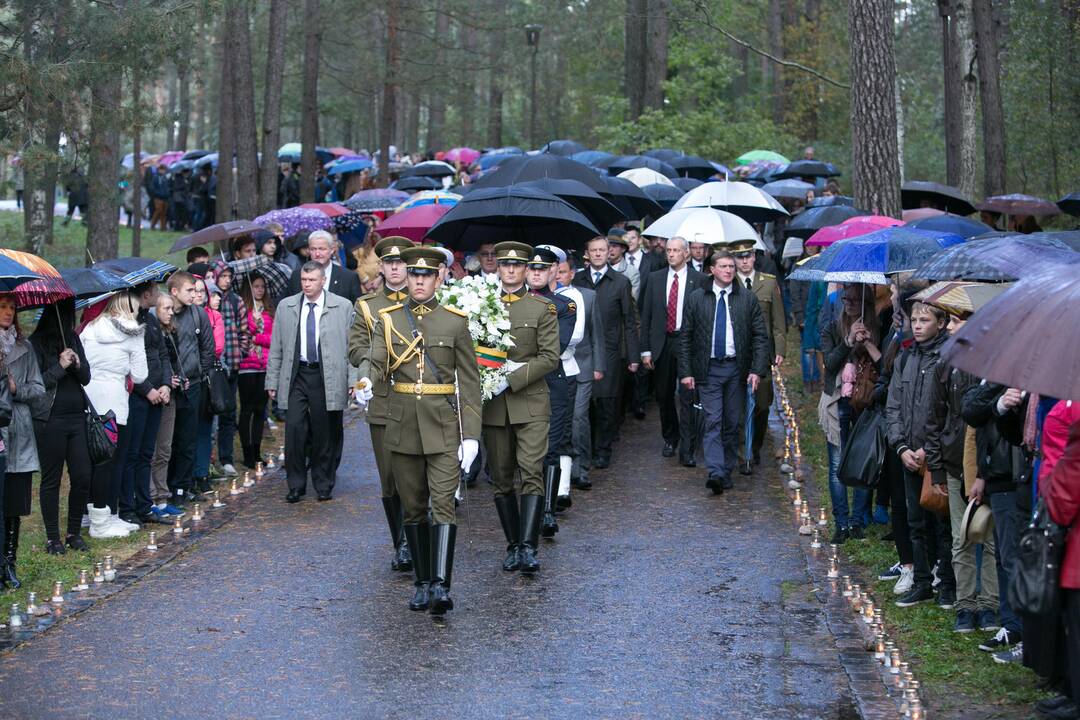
(955, 224)
(593, 158)
(210, 159)
(136, 270)
(350, 166)
(13, 274)
(869, 258)
(493, 159)
(92, 284)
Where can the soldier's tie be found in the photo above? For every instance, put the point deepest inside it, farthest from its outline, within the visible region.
(748, 284)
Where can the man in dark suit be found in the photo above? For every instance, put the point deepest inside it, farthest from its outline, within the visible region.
(619, 316)
(340, 281)
(723, 348)
(662, 305)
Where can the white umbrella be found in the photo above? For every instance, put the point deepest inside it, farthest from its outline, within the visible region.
(645, 176)
(743, 199)
(704, 225)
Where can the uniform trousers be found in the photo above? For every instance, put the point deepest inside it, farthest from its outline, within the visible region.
(519, 447)
(423, 477)
(560, 390)
(311, 432)
(382, 460)
(723, 395)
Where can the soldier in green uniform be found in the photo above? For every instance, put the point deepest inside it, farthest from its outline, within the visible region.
(767, 291)
(516, 419)
(425, 353)
(375, 389)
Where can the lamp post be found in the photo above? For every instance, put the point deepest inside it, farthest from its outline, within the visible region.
(532, 38)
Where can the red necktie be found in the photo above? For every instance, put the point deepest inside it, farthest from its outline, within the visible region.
(672, 305)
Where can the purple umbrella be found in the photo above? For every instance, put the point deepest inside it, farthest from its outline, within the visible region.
(295, 220)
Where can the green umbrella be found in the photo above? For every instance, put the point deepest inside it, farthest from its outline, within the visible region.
(766, 155)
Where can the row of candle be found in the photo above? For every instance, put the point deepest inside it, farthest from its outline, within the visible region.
(885, 651)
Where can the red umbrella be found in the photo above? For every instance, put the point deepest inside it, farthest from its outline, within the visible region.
(921, 214)
(340, 151)
(329, 209)
(413, 222)
(49, 289)
(850, 228)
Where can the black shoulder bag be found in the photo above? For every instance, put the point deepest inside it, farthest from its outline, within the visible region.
(1035, 585)
(102, 434)
(863, 457)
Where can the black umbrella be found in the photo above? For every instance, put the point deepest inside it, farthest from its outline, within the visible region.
(629, 162)
(915, 193)
(92, 281)
(415, 184)
(195, 154)
(693, 166)
(430, 169)
(597, 208)
(807, 168)
(811, 220)
(136, 270)
(665, 154)
(664, 195)
(563, 147)
(629, 198)
(222, 232)
(828, 200)
(1019, 204)
(525, 214)
(538, 167)
(955, 224)
(686, 184)
(1070, 204)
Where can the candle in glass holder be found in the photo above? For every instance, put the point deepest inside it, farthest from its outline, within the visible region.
(57, 593)
(815, 542)
(879, 646)
(178, 526)
(847, 586)
(217, 500)
(15, 617)
(110, 570)
(834, 568)
(234, 489)
(281, 454)
(822, 519)
(797, 502)
(868, 612)
(83, 582)
(248, 481)
(31, 604)
(99, 573)
(894, 661)
(151, 543)
(258, 470)
(197, 513)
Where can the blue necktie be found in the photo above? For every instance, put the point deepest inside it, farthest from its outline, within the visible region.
(720, 329)
(596, 277)
(312, 343)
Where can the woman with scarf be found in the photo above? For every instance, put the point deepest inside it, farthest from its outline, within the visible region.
(19, 367)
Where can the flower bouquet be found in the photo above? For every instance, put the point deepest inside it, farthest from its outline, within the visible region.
(489, 324)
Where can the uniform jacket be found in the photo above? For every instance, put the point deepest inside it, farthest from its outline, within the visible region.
(747, 322)
(19, 439)
(360, 336)
(615, 305)
(535, 330)
(427, 424)
(908, 406)
(767, 292)
(116, 351)
(284, 359)
(653, 306)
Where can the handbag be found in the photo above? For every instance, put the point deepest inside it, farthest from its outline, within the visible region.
(1034, 587)
(930, 500)
(217, 397)
(102, 433)
(863, 458)
(866, 375)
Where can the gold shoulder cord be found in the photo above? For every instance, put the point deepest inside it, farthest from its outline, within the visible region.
(367, 316)
(394, 360)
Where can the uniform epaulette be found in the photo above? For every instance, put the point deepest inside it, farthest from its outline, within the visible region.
(767, 275)
(456, 311)
(369, 296)
(391, 308)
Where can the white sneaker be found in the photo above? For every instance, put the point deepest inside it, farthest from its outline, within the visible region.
(101, 525)
(907, 579)
(116, 520)
(229, 469)
(270, 423)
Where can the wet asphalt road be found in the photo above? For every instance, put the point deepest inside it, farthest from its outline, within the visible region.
(655, 600)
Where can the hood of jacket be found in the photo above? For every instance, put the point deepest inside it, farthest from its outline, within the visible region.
(106, 329)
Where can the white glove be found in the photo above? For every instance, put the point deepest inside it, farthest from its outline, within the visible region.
(501, 387)
(362, 392)
(512, 365)
(467, 452)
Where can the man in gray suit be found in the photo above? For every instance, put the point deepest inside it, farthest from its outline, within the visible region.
(307, 373)
(591, 364)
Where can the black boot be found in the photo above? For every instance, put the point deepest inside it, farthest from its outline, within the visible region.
(419, 539)
(530, 532)
(402, 561)
(551, 486)
(11, 550)
(506, 505)
(442, 567)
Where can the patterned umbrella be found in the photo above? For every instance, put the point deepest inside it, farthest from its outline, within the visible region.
(791, 189)
(463, 155)
(48, 288)
(807, 168)
(430, 197)
(960, 298)
(136, 270)
(329, 209)
(869, 258)
(296, 219)
(376, 200)
(851, 228)
(1018, 204)
(13, 274)
(998, 259)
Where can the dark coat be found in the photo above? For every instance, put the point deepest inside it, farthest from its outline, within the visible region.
(945, 428)
(343, 282)
(907, 409)
(998, 436)
(615, 304)
(194, 342)
(158, 363)
(747, 322)
(47, 349)
(653, 303)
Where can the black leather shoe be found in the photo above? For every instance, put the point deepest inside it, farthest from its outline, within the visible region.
(323, 497)
(506, 506)
(581, 483)
(713, 483)
(293, 496)
(601, 462)
(150, 519)
(131, 518)
(53, 547)
(745, 468)
(76, 542)
(726, 483)
(530, 533)
(687, 461)
(418, 535)
(669, 449)
(563, 502)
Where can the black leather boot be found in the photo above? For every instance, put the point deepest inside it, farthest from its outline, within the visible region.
(402, 561)
(506, 505)
(531, 508)
(11, 550)
(551, 486)
(442, 567)
(419, 539)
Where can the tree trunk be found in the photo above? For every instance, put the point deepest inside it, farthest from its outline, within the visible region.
(467, 88)
(271, 117)
(496, 51)
(243, 92)
(204, 73)
(411, 139)
(226, 131)
(171, 86)
(136, 170)
(875, 161)
(899, 129)
(775, 28)
(811, 121)
(964, 59)
(103, 232)
(656, 54)
(389, 107)
(40, 144)
(183, 77)
(951, 94)
(309, 129)
(993, 115)
(437, 99)
(635, 50)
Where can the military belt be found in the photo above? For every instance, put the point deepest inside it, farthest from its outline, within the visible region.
(423, 388)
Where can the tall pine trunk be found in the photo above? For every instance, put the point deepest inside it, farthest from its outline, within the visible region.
(496, 50)
(271, 119)
(389, 107)
(103, 231)
(243, 91)
(964, 68)
(41, 134)
(635, 52)
(226, 130)
(875, 159)
(436, 100)
(183, 77)
(309, 121)
(656, 49)
(993, 114)
(136, 170)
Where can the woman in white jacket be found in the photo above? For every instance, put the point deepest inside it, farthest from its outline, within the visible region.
(115, 349)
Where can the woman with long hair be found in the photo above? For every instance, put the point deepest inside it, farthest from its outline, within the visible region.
(19, 369)
(253, 369)
(116, 351)
(60, 425)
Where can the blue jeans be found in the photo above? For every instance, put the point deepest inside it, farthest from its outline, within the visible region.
(810, 370)
(144, 420)
(1008, 521)
(838, 493)
(204, 447)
